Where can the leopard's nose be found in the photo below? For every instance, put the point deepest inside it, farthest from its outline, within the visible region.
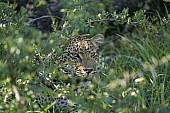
(88, 71)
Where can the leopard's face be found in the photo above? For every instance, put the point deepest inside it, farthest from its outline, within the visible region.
(79, 57)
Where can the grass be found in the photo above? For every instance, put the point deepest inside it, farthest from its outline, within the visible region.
(142, 72)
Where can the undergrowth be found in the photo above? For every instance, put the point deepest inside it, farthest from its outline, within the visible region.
(133, 76)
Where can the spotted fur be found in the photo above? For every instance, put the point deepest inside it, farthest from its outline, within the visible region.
(81, 53)
(78, 59)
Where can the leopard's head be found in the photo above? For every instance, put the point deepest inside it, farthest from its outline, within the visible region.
(80, 56)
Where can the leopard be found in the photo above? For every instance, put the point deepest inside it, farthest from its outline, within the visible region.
(79, 59)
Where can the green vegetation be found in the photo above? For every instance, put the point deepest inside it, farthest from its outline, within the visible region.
(134, 73)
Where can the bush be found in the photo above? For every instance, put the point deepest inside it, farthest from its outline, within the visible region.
(134, 69)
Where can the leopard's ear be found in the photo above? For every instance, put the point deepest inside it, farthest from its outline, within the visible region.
(98, 39)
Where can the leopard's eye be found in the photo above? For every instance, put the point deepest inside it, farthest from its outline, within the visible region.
(80, 56)
(75, 56)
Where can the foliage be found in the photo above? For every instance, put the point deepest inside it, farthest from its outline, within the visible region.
(133, 75)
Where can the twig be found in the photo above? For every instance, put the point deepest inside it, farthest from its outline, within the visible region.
(16, 92)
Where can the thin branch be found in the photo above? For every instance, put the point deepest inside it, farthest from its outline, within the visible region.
(16, 92)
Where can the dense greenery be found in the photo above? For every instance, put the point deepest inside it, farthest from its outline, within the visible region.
(134, 66)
